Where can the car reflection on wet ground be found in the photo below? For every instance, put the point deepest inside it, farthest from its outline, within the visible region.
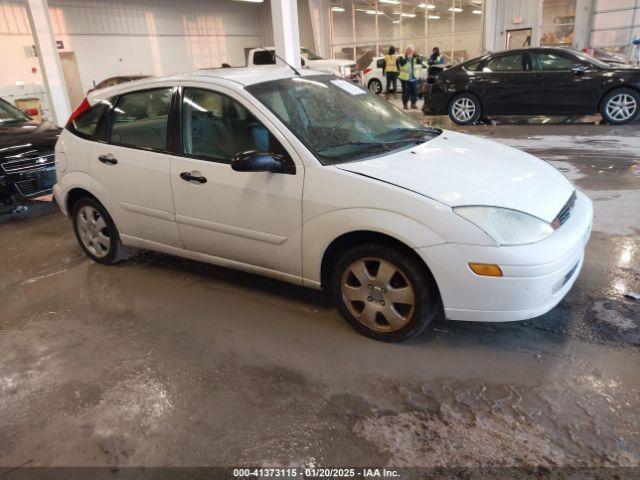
(164, 361)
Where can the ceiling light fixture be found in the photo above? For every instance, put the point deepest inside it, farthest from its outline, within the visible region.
(455, 9)
(337, 9)
(434, 17)
(392, 2)
(477, 12)
(428, 6)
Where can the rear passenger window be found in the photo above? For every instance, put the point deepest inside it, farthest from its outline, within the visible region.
(87, 123)
(264, 57)
(139, 119)
(380, 63)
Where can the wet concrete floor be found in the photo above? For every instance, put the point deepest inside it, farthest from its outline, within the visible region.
(164, 361)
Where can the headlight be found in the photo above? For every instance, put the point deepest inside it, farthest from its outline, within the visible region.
(505, 226)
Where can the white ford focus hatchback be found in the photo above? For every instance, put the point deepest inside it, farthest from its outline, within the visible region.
(315, 181)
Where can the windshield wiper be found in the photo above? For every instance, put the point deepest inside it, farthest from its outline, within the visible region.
(371, 144)
(409, 130)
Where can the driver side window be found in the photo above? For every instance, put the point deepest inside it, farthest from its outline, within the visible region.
(553, 61)
(217, 127)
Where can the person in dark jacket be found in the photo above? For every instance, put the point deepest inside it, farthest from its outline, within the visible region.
(436, 57)
(390, 70)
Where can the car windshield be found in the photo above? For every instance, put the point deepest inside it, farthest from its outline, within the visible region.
(309, 55)
(10, 114)
(339, 121)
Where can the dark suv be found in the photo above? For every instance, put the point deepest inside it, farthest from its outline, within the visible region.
(26, 155)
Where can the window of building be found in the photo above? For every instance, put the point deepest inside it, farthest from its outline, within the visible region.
(140, 119)
(364, 29)
(558, 22)
(616, 23)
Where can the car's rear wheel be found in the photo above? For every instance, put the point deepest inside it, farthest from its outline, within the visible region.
(621, 106)
(96, 232)
(375, 86)
(383, 293)
(465, 109)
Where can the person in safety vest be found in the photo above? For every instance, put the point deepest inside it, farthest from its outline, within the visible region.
(408, 75)
(390, 70)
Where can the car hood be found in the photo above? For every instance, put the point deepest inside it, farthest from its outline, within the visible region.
(457, 170)
(27, 138)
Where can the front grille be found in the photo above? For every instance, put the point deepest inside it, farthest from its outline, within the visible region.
(22, 164)
(27, 187)
(565, 212)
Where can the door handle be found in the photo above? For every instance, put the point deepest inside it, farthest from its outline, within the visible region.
(193, 177)
(108, 159)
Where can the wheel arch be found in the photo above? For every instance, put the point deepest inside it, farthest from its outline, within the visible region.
(365, 237)
(612, 89)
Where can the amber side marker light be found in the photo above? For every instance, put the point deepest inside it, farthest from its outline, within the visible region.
(486, 269)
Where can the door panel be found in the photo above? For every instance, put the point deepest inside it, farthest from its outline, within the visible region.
(136, 176)
(253, 218)
(249, 217)
(504, 85)
(560, 91)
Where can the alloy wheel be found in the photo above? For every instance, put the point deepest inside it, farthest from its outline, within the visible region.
(375, 86)
(93, 231)
(622, 107)
(464, 109)
(378, 294)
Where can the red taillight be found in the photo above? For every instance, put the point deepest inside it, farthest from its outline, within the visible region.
(367, 70)
(83, 107)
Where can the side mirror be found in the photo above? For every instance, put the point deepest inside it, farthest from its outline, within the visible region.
(254, 161)
(579, 70)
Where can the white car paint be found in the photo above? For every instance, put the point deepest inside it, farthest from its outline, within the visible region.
(340, 67)
(281, 225)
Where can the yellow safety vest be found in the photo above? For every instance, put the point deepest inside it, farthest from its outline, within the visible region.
(390, 63)
(405, 70)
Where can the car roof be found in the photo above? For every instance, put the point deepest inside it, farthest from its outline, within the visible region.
(241, 76)
(531, 49)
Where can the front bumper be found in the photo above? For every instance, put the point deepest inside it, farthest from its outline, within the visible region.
(27, 184)
(535, 279)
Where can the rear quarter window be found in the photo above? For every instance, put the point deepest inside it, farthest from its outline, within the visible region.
(87, 124)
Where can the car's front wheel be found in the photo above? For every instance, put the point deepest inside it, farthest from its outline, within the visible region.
(465, 109)
(375, 86)
(96, 232)
(621, 106)
(383, 293)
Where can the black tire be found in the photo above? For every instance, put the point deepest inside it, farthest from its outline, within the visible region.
(375, 86)
(609, 116)
(116, 251)
(472, 102)
(410, 271)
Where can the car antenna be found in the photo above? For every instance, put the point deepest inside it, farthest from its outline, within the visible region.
(295, 70)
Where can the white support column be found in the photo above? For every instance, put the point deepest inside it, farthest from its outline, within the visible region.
(286, 34)
(55, 86)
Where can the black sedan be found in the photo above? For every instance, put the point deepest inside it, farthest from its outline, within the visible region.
(26, 156)
(535, 81)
